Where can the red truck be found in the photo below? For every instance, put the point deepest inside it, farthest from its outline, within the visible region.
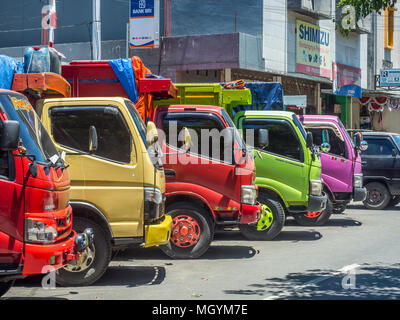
(199, 197)
(36, 233)
(206, 187)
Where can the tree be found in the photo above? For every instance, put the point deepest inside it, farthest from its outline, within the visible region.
(354, 10)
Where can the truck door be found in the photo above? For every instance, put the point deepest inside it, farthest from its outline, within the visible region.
(111, 178)
(378, 158)
(337, 165)
(282, 161)
(204, 164)
(11, 215)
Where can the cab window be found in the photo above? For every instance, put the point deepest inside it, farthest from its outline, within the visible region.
(210, 146)
(338, 146)
(283, 141)
(70, 128)
(379, 147)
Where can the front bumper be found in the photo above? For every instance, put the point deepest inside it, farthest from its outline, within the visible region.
(359, 194)
(317, 203)
(157, 234)
(42, 258)
(250, 213)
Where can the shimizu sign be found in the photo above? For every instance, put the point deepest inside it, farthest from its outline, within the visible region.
(313, 49)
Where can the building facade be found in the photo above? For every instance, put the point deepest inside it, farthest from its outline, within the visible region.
(295, 42)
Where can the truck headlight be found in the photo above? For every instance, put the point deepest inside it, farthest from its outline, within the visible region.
(249, 195)
(358, 180)
(153, 203)
(40, 231)
(316, 187)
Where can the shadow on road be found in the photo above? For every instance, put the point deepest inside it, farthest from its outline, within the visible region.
(294, 236)
(215, 252)
(371, 282)
(127, 276)
(333, 222)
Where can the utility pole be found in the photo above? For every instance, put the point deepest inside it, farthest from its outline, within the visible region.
(96, 31)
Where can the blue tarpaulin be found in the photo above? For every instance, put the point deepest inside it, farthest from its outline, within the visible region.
(265, 96)
(9, 66)
(124, 71)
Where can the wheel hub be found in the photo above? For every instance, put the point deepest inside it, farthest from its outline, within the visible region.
(185, 231)
(313, 215)
(84, 262)
(266, 219)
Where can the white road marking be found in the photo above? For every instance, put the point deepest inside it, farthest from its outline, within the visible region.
(345, 269)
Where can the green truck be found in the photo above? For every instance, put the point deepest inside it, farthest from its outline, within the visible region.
(288, 167)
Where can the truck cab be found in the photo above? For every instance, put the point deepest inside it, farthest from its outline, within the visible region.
(36, 233)
(212, 185)
(117, 190)
(289, 167)
(340, 159)
(381, 169)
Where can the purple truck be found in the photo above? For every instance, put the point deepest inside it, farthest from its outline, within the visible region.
(340, 160)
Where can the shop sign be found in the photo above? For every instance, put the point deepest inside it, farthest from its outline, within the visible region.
(346, 80)
(390, 78)
(313, 46)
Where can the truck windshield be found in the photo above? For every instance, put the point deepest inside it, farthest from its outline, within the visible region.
(347, 134)
(300, 126)
(33, 135)
(138, 120)
(230, 123)
(397, 140)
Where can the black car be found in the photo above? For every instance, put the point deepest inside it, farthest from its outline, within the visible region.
(381, 169)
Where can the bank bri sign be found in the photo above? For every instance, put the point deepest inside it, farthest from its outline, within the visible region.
(313, 49)
(144, 24)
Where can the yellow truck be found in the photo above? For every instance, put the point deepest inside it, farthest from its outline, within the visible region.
(118, 189)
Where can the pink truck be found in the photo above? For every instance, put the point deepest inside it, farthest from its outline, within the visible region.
(340, 160)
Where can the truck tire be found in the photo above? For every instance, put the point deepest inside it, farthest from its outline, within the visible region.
(378, 196)
(250, 232)
(394, 201)
(184, 242)
(315, 219)
(94, 264)
(5, 286)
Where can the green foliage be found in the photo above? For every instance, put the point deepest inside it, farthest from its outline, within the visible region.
(365, 7)
(362, 9)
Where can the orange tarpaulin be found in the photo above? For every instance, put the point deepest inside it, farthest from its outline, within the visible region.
(144, 104)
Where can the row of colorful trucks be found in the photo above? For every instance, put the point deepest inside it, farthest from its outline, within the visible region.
(131, 183)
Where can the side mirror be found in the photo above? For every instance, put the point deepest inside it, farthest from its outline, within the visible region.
(187, 139)
(93, 142)
(357, 140)
(363, 145)
(309, 140)
(325, 147)
(152, 133)
(9, 135)
(263, 138)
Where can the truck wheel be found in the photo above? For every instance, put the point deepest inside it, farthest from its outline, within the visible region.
(339, 209)
(93, 262)
(317, 218)
(378, 196)
(192, 231)
(5, 286)
(270, 224)
(394, 201)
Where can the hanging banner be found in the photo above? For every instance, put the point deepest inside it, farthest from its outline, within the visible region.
(346, 80)
(144, 25)
(313, 46)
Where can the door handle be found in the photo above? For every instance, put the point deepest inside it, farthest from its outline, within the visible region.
(169, 173)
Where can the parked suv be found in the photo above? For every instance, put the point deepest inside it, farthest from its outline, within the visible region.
(381, 169)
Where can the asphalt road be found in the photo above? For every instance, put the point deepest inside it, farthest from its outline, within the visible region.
(355, 256)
